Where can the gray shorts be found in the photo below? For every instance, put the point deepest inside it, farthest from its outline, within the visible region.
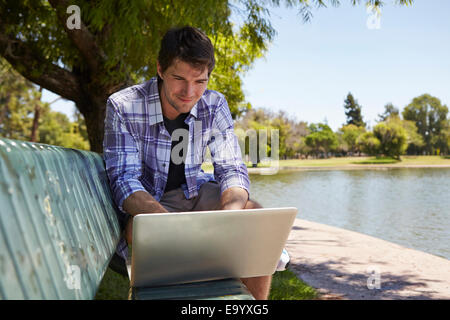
(208, 198)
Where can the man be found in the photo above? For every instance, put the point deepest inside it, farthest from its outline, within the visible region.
(145, 126)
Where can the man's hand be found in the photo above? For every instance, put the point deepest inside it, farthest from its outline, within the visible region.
(136, 203)
(142, 202)
(234, 198)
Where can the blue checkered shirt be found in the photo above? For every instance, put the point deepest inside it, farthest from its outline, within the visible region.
(137, 146)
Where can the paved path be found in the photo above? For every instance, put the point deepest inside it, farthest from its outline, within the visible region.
(341, 264)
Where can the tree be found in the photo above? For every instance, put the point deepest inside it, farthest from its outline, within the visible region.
(18, 100)
(369, 144)
(392, 137)
(353, 111)
(442, 140)
(321, 139)
(350, 134)
(430, 117)
(114, 44)
(414, 140)
(389, 110)
(295, 139)
(25, 117)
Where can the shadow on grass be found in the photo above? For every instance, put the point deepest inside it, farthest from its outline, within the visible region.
(378, 161)
(113, 287)
(286, 286)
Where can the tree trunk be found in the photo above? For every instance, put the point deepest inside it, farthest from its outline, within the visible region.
(94, 116)
(3, 110)
(34, 128)
(37, 114)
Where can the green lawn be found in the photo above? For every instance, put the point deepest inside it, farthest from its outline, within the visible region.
(351, 161)
(285, 286)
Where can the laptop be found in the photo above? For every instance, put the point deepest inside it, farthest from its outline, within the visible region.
(184, 247)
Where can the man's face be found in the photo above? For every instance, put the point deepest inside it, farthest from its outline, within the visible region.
(182, 86)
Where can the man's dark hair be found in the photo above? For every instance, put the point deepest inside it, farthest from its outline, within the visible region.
(188, 44)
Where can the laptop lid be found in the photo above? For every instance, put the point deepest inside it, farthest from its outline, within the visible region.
(173, 248)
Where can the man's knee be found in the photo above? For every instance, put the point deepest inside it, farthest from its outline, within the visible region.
(252, 204)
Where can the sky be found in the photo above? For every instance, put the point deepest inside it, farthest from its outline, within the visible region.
(311, 67)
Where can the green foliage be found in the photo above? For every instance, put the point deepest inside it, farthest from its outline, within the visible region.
(392, 137)
(321, 139)
(290, 132)
(389, 110)
(56, 129)
(18, 102)
(430, 117)
(118, 43)
(368, 143)
(234, 55)
(350, 134)
(413, 139)
(353, 111)
(441, 141)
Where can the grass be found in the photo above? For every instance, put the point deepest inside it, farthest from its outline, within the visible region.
(351, 161)
(380, 160)
(113, 287)
(285, 286)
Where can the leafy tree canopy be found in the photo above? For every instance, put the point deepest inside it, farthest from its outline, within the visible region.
(430, 117)
(117, 42)
(353, 111)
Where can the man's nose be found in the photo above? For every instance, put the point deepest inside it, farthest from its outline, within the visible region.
(188, 90)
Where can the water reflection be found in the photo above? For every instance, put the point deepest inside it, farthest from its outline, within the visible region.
(406, 206)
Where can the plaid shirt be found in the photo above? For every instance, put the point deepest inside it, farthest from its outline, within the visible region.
(137, 146)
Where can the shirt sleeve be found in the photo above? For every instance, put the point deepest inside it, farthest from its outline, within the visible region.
(229, 169)
(122, 156)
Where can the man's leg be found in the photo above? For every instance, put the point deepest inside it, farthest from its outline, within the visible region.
(258, 286)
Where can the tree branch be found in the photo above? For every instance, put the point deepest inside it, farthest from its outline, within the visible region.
(30, 64)
(82, 38)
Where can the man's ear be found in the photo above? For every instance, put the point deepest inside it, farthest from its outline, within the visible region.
(158, 69)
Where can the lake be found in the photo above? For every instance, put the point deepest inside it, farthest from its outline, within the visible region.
(410, 207)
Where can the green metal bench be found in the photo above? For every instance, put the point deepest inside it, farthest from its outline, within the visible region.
(59, 228)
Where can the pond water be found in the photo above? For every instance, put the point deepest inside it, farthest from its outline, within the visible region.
(410, 207)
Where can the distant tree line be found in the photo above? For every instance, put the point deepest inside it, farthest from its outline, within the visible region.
(422, 128)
